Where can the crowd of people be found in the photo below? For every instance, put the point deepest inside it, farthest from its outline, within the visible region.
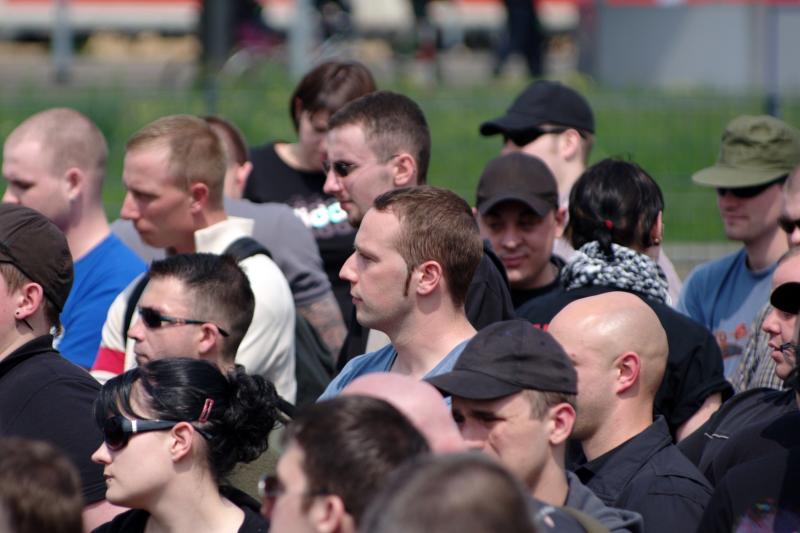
(306, 337)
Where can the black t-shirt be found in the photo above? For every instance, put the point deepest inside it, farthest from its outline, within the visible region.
(521, 296)
(45, 397)
(760, 495)
(694, 364)
(736, 416)
(272, 180)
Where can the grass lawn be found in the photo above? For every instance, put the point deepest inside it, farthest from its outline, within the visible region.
(669, 134)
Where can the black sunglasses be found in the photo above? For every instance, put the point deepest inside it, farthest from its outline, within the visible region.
(340, 168)
(117, 430)
(749, 192)
(788, 225)
(154, 320)
(523, 138)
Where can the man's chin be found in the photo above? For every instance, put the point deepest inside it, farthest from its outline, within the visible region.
(142, 360)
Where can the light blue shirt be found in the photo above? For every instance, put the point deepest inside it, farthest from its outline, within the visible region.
(725, 296)
(381, 360)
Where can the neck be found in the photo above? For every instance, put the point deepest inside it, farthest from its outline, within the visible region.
(292, 155)
(765, 250)
(545, 277)
(87, 232)
(566, 178)
(22, 335)
(192, 503)
(424, 340)
(551, 484)
(620, 427)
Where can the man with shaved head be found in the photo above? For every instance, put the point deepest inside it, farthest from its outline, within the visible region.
(55, 162)
(419, 402)
(619, 349)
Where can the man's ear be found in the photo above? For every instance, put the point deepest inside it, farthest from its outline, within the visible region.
(404, 170)
(199, 197)
(562, 419)
(569, 144)
(328, 514)
(181, 442)
(429, 276)
(29, 299)
(75, 182)
(210, 338)
(628, 366)
(561, 221)
(657, 231)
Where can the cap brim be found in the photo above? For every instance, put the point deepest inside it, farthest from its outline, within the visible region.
(508, 123)
(472, 385)
(537, 205)
(786, 297)
(725, 176)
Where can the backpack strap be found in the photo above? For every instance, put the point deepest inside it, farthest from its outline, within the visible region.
(245, 247)
(133, 299)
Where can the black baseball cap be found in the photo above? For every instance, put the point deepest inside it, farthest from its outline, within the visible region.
(33, 244)
(544, 102)
(520, 177)
(786, 297)
(506, 358)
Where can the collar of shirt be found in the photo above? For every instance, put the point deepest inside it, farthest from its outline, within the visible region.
(608, 474)
(216, 237)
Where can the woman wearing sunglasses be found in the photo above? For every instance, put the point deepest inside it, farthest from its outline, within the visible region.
(173, 429)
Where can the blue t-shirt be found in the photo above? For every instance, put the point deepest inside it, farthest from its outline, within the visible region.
(381, 360)
(100, 276)
(725, 296)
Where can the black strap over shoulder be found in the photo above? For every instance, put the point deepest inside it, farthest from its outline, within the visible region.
(245, 247)
(133, 299)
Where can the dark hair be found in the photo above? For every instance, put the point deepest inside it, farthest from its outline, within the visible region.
(438, 225)
(40, 489)
(455, 493)
(392, 123)
(328, 87)
(614, 201)
(350, 446)
(233, 140)
(244, 412)
(220, 291)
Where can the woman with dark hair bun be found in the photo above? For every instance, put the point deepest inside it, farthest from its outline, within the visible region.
(615, 224)
(172, 430)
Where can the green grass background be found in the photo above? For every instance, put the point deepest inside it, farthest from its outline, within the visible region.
(671, 134)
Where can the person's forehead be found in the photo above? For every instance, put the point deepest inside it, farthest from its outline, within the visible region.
(348, 141)
(165, 294)
(378, 228)
(791, 205)
(27, 152)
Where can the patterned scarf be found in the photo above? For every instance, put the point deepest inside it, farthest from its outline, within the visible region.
(627, 270)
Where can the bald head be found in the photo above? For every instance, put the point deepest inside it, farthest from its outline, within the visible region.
(66, 138)
(420, 402)
(612, 324)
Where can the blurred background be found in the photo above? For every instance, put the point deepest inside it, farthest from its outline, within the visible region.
(663, 76)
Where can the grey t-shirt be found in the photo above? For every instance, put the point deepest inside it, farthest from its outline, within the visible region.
(288, 240)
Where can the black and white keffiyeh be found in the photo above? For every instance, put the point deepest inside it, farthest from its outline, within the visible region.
(627, 270)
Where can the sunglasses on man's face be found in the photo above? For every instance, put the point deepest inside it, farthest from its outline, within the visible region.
(341, 168)
(749, 192)
(788, 225)
(154, 320)
(523, 138)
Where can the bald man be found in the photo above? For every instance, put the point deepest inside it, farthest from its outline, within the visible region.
(55, 162)
(419, 401)
(619, 349)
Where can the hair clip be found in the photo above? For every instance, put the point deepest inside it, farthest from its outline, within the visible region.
(206, 411)
(609, 224)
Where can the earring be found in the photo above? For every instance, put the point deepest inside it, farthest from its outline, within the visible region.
(656, 241)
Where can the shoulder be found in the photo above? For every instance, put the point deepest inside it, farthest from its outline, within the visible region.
(716, 267)
(378, 361)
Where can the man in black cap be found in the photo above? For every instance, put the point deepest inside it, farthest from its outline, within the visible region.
(552, 122)
(556, 124)
(42, 395)
(619, 348)
(513, 390)
(518, 212)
